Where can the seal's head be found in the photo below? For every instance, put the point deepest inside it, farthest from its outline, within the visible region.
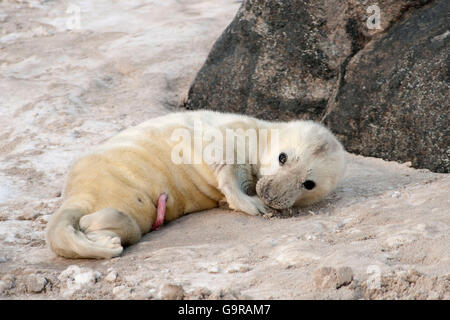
(307, 161)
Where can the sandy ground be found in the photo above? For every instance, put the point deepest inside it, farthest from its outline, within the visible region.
(67, 84)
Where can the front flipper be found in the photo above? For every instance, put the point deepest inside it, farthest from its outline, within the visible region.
(236, 185)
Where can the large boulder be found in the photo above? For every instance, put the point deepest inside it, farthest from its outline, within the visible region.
(383, 91)
(394, 100)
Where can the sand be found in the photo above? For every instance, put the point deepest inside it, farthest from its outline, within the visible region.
(66, 86)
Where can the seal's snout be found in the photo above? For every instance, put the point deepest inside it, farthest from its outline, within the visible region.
(275, 194)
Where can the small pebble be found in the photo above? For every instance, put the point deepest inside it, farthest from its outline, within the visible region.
(170, 291)
(396, 194)
(76, 134)
(35, 283)
(7, 283)
(344, 276)
(111, 276)
(325, 277)
(213, 269)
(238, 268)
(122, 291)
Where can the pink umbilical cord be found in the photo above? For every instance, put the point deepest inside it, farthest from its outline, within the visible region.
(160, 211)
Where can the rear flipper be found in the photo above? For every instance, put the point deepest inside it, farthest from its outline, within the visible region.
(110, 228)
(67, 240)
(72, 233)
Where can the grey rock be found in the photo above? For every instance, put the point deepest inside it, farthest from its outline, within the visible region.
(170, 291)
(270, 62)
(393, 102)
(384, 92)
(111, 276)
(35, 283)
(344, 276)
(325, 278)
(331, 278)
(6, 283)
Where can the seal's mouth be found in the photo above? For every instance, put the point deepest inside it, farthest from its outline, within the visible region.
(275, 196)
(278, 204)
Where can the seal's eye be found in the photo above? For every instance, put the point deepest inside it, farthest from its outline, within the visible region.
(309, 184)
(282, 158)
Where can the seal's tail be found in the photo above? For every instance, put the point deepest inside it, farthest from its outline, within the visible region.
(67, 239)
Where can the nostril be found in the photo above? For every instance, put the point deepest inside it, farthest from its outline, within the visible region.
(309, 184)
